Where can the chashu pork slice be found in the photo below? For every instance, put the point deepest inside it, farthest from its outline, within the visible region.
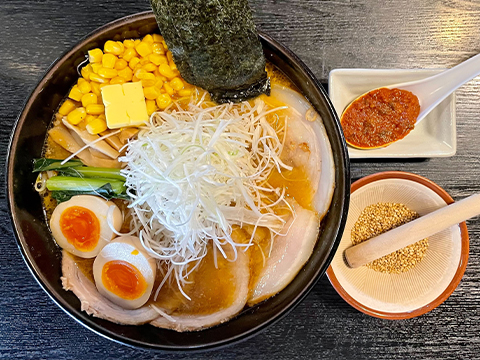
(218, 295)
(307, 145)
(95, 304)
(288, 255)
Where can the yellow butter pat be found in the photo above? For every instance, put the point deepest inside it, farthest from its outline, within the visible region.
(124, 105)
(134, 91)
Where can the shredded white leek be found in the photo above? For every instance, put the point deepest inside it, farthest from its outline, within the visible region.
(163, 313)
(193, 173)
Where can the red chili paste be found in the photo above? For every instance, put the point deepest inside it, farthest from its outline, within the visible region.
(380, 117)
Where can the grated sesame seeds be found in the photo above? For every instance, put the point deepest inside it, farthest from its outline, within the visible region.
(378, 218)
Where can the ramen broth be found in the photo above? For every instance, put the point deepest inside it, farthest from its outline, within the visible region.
(211, 286)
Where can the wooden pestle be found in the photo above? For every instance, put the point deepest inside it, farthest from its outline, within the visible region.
(412, 232)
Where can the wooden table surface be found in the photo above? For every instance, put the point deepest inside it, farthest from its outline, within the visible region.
(325, 35)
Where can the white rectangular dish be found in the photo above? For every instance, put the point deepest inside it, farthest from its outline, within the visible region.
(434, 136)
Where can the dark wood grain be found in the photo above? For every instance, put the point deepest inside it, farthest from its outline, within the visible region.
(325, 35)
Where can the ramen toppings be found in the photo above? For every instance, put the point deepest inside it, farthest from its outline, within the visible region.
(204, 191)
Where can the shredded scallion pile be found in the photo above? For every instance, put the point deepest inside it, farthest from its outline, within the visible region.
(194, 172)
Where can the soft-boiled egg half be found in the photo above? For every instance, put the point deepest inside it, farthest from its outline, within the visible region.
(124, 272)
(81, 225)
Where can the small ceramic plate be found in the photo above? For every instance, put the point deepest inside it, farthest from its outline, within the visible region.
(434, 136)
(420, 289)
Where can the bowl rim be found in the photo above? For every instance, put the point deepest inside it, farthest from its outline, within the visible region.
(462, 265)
(102, 331)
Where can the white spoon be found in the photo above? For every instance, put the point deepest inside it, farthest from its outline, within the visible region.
(412, 232)
(433, 90)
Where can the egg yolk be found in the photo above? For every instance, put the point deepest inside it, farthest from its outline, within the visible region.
(81, 228)
(123, 279)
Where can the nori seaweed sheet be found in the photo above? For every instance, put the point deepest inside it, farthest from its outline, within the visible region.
(215, 45)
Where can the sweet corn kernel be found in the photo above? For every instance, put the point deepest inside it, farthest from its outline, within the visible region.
(165, 46)
(176, 84)
(141, 73)
(166, 71)
(135, 79)
(75, 93)
(128, 43)
(158, 49)
(89, 118)
(77, 115)
(86, 71)
(67, 106)
(138, 67)
(98, 78)
(150, 67)
(112, 47)
(89, 99)
(134, 62)
(96, 126)
(95, 109)
(137, 41)
(120, 64)
(157, 38)
(122, 47)
(148, 80)
(158, 59)
(148, 39)
(95, 67)
(158, 83)
(107, 73)
(184, 92)
(95, 55)
(144, 48)
(151, 106)
(168, 89)
(84, 86)
(95, 88)
(163, 101)
(126, 73)
(144, 61)
(118, 80)
(102, 116)
(170, 61)
(151, 92)
(81, 125)
(109, 61)
(129, 54)
(85, 74)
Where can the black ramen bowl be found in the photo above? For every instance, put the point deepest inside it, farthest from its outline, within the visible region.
(43, 257)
